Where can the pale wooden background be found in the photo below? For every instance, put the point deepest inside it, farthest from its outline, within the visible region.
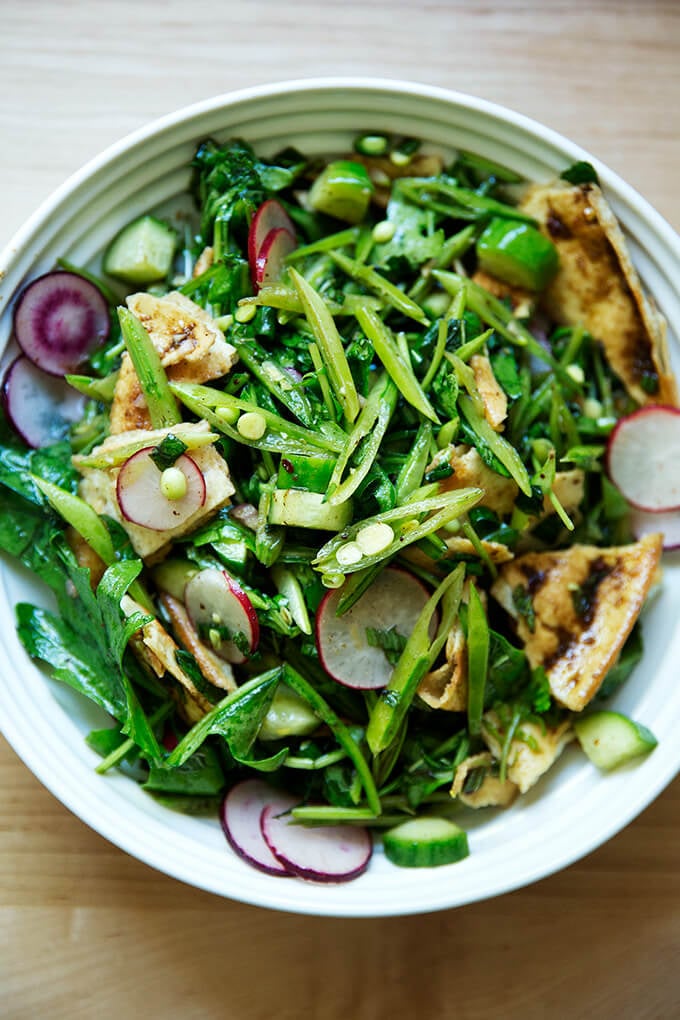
(86, 931)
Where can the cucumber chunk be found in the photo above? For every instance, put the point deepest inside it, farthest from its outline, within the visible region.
(142, 252)
(425, 843)
(609, 739)
(298, 508)
(517, 253)
(343, 189)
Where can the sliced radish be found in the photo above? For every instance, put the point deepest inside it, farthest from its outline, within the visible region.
(240, 816)
(59, 319)
(329, 853)
(269, 263)
(218, 606)
(39, 406)
(270, 216)
(140, 496)
(394, 600)
(643, 457)
(667, 522)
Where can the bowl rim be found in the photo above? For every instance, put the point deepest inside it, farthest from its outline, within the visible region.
(614, 185)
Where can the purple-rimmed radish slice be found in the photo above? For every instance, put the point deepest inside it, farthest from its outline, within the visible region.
(270, 216)
(155, 499)
(59, 319)
(643, 458)
(222, 614)
(666, 522)
(349, 646)
(329, 853)
(240, 816)
(271, 257)
(39, 406)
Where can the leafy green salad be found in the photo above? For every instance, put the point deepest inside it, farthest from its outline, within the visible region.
(329, 481)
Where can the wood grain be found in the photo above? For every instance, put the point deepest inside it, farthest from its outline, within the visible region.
(86, 931)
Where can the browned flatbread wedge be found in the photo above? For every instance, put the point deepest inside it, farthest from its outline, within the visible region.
(192, 349)
(585, 602)
(598, 287)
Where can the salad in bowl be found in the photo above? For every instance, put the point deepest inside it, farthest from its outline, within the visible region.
(351, 485)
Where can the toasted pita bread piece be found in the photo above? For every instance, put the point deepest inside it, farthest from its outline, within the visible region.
(446, 686)
(493, 397)
(500, 493)
(598, 287)
(218, 672)
(491, 793)
(534, 749)
(191, 346)
(98, 488)
(154, 646)
(585, 602)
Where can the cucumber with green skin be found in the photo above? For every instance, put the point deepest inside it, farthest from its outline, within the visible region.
(517, 253)
(425, 842)
(142, 252)
(301, 509)
(610, 739)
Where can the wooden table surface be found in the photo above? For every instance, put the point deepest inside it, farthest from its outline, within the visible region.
(86, 931)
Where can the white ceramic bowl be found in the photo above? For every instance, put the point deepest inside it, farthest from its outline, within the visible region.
(574, 809)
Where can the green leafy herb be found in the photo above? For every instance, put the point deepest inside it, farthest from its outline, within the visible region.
(523, 603)
(390, 641)
(169, 450)
(580, 172)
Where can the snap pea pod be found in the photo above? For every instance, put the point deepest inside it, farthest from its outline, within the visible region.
(369, 430)
(481, 204)
(153, 381)
(89, 525)
(405, 526)
(411, 474)
(281, 436)
(95, 389)
(330, 346)
(277, 382)
(341, 733)
(418, 656)
(500, 447)
(478, 659)
(386, 348)
(386, 290)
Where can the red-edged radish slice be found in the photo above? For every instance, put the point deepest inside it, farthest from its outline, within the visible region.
(270, 216)
(668, 523)
(39, 406)
(218, 607)
(394, 600)
(139, 491)
(329, 853)
(643, 457)
(277, 245)
(240, 816)
(59, 319)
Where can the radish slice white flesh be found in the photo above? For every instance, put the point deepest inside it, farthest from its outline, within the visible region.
(329, 853)
(668, 523)
(139, 495)
(240, 816)
(643, 458)
(270, 216)
(218, 607)
(394, 600)
(39, 406)
(59, 319)
(271, 257)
